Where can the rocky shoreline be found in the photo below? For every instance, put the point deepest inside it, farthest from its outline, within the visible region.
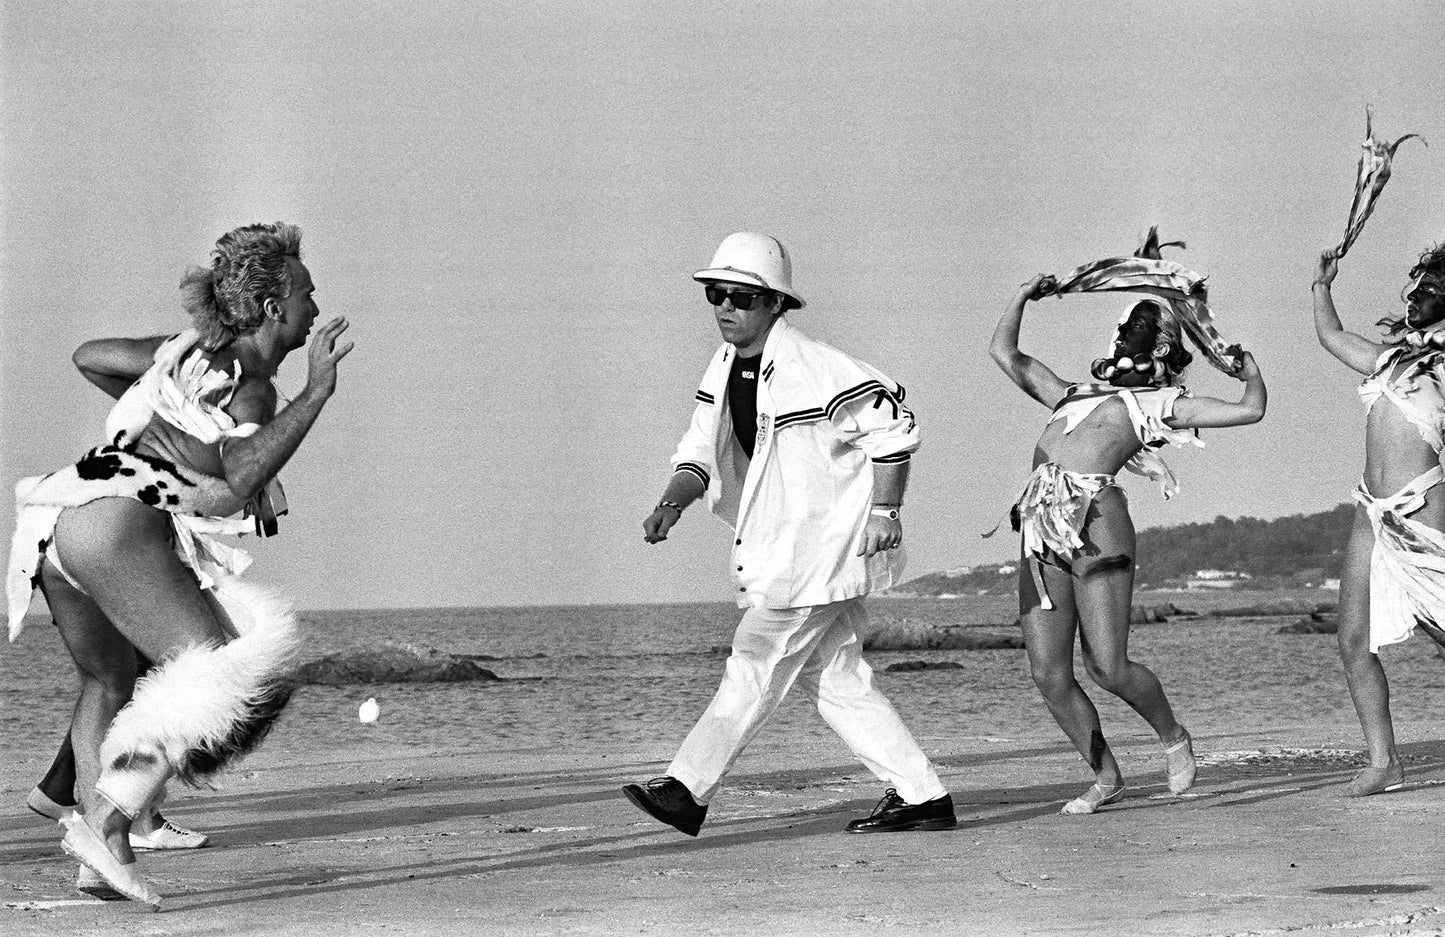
(405, 663)
(1311, 618)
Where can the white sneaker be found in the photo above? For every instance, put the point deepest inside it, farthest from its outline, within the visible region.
(167, 836)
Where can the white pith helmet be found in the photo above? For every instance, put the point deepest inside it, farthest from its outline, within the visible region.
(754, 260)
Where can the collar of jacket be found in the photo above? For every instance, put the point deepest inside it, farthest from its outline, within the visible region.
(780, 345)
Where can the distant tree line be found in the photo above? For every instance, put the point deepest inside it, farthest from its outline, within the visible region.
(1302, 548)
(1308, 545)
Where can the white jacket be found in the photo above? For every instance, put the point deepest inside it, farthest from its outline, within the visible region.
(800, 505)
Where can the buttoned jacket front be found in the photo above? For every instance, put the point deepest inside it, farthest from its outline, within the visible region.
(800, 505)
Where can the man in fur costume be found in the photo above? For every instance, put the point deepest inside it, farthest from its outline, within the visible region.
(120, 542)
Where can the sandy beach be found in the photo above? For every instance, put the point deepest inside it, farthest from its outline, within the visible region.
(493, 823)
(540, 842)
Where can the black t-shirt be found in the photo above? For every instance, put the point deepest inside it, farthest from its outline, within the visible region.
(743, 400)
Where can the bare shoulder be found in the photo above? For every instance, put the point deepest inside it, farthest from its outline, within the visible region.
(253, 400)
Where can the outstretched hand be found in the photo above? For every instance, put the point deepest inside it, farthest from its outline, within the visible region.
(324, 355)
(1328, 267)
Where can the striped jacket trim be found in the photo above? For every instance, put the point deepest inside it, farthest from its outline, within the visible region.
(857, 391)
(692, 468)
(810, 415)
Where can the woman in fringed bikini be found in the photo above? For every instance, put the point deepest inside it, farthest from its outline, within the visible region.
(1077, 568)
(1393, 578)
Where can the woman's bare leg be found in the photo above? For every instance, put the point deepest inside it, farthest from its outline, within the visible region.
(1369, 689)
(1049, 639)
(1104, 591)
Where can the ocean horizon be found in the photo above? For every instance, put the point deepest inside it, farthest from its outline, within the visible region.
(645, 672)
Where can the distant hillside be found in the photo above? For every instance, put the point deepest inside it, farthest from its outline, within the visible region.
(1303, 548)
(1308, 545)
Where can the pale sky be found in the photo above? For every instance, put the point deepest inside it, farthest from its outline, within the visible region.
(508, 200)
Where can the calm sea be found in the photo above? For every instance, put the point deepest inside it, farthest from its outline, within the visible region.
(637, 676)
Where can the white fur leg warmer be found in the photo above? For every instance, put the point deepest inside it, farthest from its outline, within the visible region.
(209, 705)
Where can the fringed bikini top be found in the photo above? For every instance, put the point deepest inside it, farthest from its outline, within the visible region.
(1422, 402)
(1148, 408)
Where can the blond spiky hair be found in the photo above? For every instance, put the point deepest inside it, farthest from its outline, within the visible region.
(248, 267)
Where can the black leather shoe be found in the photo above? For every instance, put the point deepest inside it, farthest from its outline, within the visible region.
(894, 815)
(668, 799)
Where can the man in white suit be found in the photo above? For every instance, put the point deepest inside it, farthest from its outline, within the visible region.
(804, 451)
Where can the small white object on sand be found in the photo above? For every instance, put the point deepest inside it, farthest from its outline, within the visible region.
(370, 711)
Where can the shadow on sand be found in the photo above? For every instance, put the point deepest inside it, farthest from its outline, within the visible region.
(396, 806)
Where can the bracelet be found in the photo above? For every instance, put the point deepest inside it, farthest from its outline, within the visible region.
(889, 512)
(669, 504)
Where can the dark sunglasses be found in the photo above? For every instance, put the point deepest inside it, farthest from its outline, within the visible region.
(742, 300)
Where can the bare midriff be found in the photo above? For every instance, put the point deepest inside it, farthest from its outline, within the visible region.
(1396, 455)
(1100, 444)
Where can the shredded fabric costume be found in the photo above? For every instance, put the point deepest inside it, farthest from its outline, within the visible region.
(1407, 566)
(1054, 506)
(1370, 179)
(1050, 514)
(207, 704)
(1148, 409)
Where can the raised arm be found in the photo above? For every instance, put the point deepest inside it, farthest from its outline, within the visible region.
(1354, 350)
(251, 461)
(114, 364)
(1030, 374)
(1200, 412)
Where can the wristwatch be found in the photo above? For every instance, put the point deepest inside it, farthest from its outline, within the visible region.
(890, 513)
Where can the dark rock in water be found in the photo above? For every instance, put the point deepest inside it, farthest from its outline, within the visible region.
(904, 666)
(1317, 622)
(1151, 614)
(908, 636)
(393, 663)
(1273, 609)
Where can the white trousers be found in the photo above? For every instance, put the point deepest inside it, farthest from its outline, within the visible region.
(819, 648)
